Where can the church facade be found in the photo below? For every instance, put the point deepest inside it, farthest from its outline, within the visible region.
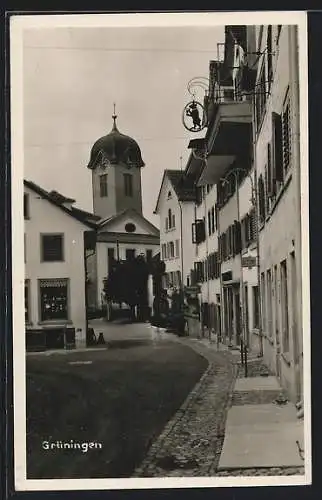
(122, 231)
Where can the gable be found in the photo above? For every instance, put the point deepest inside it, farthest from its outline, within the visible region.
(122, 224)
(166, 189)
(48, 217)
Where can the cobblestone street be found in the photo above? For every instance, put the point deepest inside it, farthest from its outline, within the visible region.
(191, 443)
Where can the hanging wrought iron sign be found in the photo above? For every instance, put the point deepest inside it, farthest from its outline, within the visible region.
(194, 113)
(193, 116)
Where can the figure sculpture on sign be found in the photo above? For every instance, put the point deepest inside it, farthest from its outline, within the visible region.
(193, 112)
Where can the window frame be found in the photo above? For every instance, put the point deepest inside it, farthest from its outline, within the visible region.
(128, 185)
(42, 253)
(103, 185)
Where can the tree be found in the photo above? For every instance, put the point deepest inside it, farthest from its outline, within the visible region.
(127, 282)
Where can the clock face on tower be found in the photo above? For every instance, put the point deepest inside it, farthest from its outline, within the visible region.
(130, 227)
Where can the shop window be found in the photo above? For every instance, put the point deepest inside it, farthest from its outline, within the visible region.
(52, 247)
(53, 299)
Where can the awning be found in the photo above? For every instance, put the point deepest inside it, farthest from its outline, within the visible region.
(216, 166)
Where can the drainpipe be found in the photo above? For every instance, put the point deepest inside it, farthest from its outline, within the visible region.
(256, 205)
(295, 104)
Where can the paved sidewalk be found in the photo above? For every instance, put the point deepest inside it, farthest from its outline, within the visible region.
(229, 425)
(262, 429)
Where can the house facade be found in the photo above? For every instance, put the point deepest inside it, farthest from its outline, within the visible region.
(55, 249)
(279, 199)
(246, 254)
(175, 207)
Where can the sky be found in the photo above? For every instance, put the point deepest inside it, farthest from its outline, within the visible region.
(73, 75)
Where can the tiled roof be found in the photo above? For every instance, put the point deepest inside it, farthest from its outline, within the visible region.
(182, 184)
(58, 200)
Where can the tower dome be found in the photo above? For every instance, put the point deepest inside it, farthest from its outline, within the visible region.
(115, 148)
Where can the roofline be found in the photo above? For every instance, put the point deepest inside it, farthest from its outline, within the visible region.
(44, 194)
(116, 216)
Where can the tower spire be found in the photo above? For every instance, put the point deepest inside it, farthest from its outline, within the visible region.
(114, 116)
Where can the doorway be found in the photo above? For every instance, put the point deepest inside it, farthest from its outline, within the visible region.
(295, 330)
(237, 315)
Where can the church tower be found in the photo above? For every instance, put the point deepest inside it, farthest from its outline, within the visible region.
(116, 163)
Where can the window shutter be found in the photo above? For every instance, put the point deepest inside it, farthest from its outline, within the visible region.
(277, 147)
(253, 224)
(216, 215)
(270, 184)
(238, 237)
(261, 198)
(286, 136)
(209, 222)
(266, 190)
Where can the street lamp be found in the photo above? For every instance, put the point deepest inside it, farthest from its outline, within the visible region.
(236, 172)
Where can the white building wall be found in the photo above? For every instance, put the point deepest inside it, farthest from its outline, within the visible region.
(184, 217)
(281, 233)
(46, 218)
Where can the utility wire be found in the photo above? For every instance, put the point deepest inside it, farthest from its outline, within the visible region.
(62, 144)
(118, 49)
